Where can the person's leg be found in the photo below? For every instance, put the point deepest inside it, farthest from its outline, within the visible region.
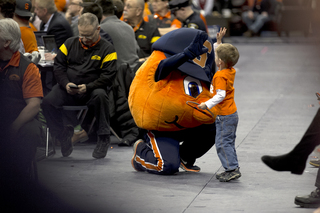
(295, 161)
(260, 20)
(225, 141)
(53, 112)
(99, 103)
(245, 18)
(21, 152)
(157, 155)
(196, 142)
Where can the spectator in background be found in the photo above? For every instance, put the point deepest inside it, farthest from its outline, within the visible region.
(60, 5)
(21, 93)
(85, 83)
(118, 4)
(73, 11)
(22, 16)
(122, 35)
(183, 11)
(54, 23)
(165, 21)
(259, 14)
(205, 7)
(7, 8)
(146, 32)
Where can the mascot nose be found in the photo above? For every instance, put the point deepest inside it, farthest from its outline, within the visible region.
(204, 116)
(207, 116)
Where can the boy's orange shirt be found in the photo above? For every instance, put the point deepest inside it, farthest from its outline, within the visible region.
(223, 80)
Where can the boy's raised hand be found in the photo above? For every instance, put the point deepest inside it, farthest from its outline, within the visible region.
(221, 34)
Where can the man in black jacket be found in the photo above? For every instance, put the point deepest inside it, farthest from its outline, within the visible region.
(85, 68)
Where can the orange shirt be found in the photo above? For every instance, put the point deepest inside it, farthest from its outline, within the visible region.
(166, 19)
(223, 80)
(33, 27)
(60, 4)
(31, 85)
(29, 39)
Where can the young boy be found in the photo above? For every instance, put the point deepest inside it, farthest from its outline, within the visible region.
(223, 100)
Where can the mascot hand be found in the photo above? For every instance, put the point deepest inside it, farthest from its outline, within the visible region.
(196, 47)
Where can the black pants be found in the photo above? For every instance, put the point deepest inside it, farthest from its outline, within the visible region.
(309, 140)
(97, 102)
(16, 156)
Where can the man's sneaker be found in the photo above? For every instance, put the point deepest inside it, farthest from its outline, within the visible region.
(229, 175)
(133, 160)
(220, 175)
(189, 168)
(315, 162)
(65, 141)
(309, 201)
(102, 146)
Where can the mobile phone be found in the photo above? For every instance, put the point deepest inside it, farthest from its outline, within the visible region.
(73, 86)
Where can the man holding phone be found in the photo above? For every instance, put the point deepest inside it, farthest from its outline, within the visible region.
(84, 68)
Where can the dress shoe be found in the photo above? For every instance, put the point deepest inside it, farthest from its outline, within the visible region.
(102, 146)
(80, 136)
(65, 141)
(309, 201)
(284, 163)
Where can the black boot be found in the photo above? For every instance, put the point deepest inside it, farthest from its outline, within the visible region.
(284, 163)
(102, 146)
(309, 201)
(65, 141)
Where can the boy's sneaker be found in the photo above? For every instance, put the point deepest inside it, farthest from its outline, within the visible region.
(189, 168)
(229, 175)
(133, 160)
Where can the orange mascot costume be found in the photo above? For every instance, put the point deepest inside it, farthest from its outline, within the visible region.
(163, 101)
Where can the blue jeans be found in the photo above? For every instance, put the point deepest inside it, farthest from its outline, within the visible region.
(226, 127)
(256, 23)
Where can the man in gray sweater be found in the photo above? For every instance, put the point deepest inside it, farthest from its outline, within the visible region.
(121, 34)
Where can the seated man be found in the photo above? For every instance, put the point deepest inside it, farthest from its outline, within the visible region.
(146, 32)
(84, 68)
(21, 93)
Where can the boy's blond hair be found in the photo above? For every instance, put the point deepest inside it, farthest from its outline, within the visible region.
(228, 53)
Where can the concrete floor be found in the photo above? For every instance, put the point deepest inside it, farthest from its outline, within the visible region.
(275, 95)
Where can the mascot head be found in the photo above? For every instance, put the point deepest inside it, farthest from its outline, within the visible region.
(170, 78)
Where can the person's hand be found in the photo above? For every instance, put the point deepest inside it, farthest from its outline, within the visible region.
(221, 34)
(49, 56)
(71, 91)
(82, 89)
(196, 47)
(202, 106)
(250, 14)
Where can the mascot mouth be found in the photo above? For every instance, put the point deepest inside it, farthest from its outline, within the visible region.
(175, 122)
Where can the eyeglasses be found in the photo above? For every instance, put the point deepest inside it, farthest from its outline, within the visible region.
(88, 37)
(128, 6)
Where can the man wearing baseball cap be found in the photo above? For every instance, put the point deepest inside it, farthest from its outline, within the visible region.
(183, 11)
(22, 16)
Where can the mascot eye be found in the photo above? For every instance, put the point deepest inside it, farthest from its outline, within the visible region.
(192, 86)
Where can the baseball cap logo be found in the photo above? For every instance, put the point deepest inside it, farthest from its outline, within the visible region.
(26, 6)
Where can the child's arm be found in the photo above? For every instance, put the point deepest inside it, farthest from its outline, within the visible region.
(221, 94)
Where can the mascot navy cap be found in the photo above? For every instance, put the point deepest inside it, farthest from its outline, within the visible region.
(175, 42)
(23, 8)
